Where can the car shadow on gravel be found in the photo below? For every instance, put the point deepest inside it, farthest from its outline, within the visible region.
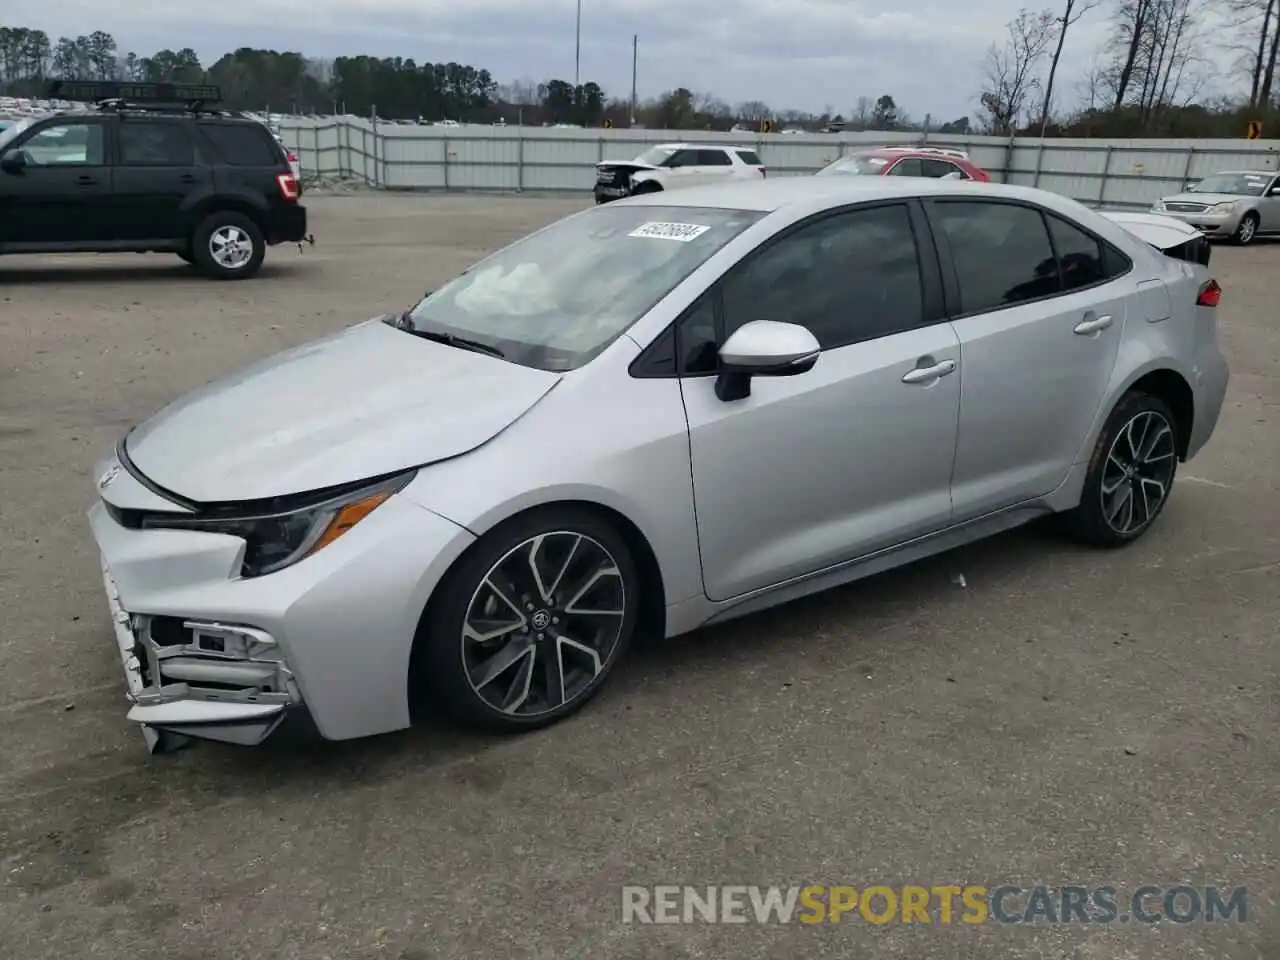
(157, 270)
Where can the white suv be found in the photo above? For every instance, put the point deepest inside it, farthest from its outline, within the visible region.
(669, 166)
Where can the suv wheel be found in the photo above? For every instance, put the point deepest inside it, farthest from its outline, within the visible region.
(228, 246)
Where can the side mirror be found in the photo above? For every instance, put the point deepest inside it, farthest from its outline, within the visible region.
(1190, 184)
(13, 162)
(764, 348)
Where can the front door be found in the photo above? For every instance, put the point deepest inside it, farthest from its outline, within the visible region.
(1041, 314)
(853, 456)
(155, 178)
(62, 193)
(1269, 207)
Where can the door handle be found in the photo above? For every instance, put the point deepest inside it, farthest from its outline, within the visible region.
(1092, 324)
(84, 181)
(927, 374)
(188, 178)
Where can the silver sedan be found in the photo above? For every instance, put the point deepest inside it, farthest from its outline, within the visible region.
(1236, 204)
(652, 415)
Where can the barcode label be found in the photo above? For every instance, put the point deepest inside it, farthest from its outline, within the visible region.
(683, 232)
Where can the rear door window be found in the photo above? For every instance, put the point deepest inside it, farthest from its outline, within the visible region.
(1001, 252)
(155, 144)
(244, 144)
(939, 168)
(713, 158)
(750, 158)
(908, 167)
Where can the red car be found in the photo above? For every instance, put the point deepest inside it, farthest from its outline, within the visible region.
(907, 162)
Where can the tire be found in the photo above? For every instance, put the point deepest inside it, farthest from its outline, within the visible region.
(504, 681)
(215, 232)
(1141, 430)
(647, 187)
(1246, 230)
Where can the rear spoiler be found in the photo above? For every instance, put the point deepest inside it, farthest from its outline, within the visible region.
(1170, 236)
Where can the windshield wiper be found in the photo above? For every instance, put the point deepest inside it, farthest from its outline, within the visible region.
(449, 339)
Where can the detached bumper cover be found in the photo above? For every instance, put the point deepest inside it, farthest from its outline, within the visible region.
(209, 654)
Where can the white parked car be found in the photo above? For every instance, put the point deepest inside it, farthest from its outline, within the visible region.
(670, 166)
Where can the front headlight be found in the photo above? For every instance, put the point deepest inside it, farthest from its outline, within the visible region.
(1158, 207)
(1227, 207)
(274, 541)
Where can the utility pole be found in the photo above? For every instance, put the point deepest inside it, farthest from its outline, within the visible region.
(635, 46)
(577, 50)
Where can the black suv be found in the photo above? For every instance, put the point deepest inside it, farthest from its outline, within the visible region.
(149, 169)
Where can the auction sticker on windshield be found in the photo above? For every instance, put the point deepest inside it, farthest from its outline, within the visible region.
(684, 232)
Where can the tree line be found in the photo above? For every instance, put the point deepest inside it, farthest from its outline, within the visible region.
(1148, 79)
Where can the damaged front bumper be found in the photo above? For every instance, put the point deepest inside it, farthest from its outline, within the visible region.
(191, 678)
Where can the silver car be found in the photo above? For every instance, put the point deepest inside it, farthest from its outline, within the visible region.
(1235, 204)
(652, 415)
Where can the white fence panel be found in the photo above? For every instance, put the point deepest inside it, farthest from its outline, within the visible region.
(1112, 173)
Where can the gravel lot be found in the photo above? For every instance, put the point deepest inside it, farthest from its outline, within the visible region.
(1068, 717)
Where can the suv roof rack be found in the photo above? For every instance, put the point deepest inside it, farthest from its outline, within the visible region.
(112, 95)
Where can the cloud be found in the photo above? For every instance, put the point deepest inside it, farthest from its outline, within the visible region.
(789, 53)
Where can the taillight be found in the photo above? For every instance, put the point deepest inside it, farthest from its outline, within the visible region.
(1210, 294)
(293, 157)
(288, 184)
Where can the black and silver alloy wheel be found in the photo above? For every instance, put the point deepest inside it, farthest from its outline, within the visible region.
(1130, 473)
(527, 625)
(1138, 472)
(543, 623)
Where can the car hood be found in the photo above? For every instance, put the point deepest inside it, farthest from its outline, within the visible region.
(610, 164)
(365, 402)
(1208, 199)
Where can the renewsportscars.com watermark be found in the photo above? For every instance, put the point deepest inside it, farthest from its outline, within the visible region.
(814, 904)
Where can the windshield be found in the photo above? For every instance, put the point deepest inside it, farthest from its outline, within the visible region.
(10, 133)
(1234, 184)
(859, 164)
(656, 156)
(557, 298)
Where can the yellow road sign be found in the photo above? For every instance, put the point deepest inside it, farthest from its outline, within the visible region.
(1253, 130)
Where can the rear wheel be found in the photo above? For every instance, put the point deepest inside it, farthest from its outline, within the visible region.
(527, 626)
(647, 187)
(1130, 474)
(228, 246)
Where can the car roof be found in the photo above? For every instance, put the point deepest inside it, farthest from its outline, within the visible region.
(1242, 173)
(776, 193)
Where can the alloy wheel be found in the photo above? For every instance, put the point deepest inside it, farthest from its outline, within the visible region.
(1247, 229)
(230, 247)
(543, 624)
(1138, 472)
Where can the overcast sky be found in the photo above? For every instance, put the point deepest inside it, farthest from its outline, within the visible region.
(802, 54)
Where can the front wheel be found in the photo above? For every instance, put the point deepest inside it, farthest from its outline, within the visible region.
(228, 246)
(527, 626)
(1247, 230)
(1130, 474)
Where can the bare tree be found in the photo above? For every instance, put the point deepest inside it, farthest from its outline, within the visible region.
(1010, 71)
(1255, 19)
(860, 115)
(1072, 11)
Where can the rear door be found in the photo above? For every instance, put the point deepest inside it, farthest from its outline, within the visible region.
(1039, 305)
(62, 195)
(159, 178)
(715, 166)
